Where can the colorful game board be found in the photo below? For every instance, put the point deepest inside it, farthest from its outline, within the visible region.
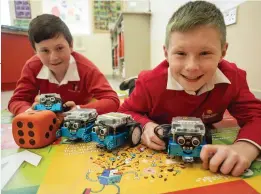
(82, 168)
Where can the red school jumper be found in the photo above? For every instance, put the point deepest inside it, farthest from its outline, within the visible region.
(92, 85)
(151, 101)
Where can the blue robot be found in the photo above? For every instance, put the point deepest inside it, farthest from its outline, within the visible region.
(114, 129)
(185, 137)
(50, 102)
(78, 125)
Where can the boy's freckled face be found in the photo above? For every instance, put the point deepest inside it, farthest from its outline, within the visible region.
(54, 53)
(193, 56)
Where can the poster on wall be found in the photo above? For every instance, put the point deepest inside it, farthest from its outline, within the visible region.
(73, 12)
(22, 23)
(104, 14)
(22, 9)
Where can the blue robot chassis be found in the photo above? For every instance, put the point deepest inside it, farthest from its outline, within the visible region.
(185, 137)
(115, 129)
(51, 101)
(78, 125)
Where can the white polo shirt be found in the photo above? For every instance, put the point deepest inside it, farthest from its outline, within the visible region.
(217, 78)
(71, 74)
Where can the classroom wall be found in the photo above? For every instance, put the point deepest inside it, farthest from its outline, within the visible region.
(243, 37)
(161, 12)
(244, 40)
(96, 47)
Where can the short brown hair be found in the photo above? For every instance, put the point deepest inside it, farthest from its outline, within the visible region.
(47, 26)
(194, 14)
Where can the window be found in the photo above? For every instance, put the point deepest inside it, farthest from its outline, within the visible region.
(5, 13)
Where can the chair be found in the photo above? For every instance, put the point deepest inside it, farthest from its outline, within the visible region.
(128, 84)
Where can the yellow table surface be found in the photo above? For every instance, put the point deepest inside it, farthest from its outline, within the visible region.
(76, 168)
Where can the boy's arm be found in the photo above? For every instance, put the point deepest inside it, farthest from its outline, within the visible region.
(247, 110)
(138, 104)
(105, 99)
(25, 92)
(236, 158)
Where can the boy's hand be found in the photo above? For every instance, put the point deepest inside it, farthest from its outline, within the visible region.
(150, 139)
(234, 159)
(69, 105)
(36, 101)
(60, 118)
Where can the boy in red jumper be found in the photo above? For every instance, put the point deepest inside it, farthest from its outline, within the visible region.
(196, 81)
(56, 68)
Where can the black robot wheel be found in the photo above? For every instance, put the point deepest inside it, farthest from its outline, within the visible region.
(135, 134)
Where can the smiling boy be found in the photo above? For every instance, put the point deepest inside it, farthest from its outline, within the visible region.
(196, 81)
(56, 68)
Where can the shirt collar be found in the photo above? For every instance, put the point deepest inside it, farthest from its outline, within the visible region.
(71, 74)
(217, 78)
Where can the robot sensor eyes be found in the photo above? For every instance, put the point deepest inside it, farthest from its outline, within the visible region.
(103, 131)
(76, 125)
(66, 124)
(73, 125)
(195, 141)
(52, 99)
(95, 129)
(181, 140)
(42, 100)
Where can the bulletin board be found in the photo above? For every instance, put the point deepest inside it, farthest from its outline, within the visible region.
(22, 13)
(22, 9)
(105, 13)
